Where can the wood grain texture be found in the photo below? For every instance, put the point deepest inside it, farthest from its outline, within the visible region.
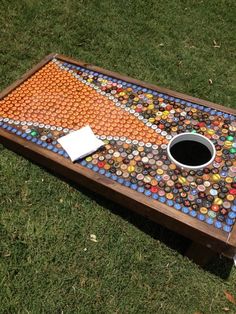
(169, 217)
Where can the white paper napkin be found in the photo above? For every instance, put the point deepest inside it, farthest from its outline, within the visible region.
(81, 143)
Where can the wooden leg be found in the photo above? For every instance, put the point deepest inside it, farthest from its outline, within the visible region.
(200, 254)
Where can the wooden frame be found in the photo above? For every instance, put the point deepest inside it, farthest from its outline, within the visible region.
(210, 237)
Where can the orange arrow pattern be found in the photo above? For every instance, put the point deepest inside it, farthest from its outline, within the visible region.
(55, 97)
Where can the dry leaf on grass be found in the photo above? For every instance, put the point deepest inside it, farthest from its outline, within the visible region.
(93, 238)
(215, 45)
(230, 297)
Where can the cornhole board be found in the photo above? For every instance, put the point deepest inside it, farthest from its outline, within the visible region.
(136, 120)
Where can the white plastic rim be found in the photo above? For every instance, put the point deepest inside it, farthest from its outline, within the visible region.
(191, 137)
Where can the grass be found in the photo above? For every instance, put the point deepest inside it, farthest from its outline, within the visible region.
(48, 264)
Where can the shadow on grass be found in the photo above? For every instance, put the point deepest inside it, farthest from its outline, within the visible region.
(219, 265)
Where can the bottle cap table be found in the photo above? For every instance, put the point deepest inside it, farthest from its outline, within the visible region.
(136, 121)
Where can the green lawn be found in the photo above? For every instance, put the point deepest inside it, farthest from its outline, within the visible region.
(48, 263)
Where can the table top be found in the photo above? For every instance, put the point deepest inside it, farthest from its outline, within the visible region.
(136, 120)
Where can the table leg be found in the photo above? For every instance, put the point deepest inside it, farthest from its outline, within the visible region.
(200, 254)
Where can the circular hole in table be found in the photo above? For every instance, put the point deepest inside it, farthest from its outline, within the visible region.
(191, 151)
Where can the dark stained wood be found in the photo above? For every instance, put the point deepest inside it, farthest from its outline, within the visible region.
(232, 238)
(158, 212)
(179, 222)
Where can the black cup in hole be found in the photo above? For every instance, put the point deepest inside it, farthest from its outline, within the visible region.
(191, 150)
